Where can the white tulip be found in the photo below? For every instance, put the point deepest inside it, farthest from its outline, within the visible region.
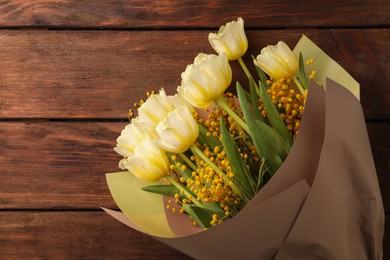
(130, 137)
(178, 131)
(205, 80)
(277, 61)
(149, 162)
(178, 101)
(230, 39)
(155, 108)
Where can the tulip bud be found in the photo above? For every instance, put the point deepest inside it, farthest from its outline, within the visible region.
(149, 162)
(230, 39)
(277, 61)
(205, 80)
(178, 131)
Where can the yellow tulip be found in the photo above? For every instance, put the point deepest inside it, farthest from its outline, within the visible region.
(156, 108)
(205, 80)
(277, 61)
(178, 131)
(149, 162)
(130, 137)
(230, 39)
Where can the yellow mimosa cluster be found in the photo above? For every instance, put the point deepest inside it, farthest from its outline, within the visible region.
(289, 101)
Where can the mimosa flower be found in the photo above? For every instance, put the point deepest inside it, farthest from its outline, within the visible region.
(149, 162)
(205, 79)
(178, 131)
(277, 61)
(230, 39)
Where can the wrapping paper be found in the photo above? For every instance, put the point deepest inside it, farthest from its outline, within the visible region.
(324, 201)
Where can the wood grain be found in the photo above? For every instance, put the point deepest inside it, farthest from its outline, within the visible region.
(62, 165)
(192, 14)
(83, 235)
(57, 165)
(75, 235)
(71, 69)
(100, 74)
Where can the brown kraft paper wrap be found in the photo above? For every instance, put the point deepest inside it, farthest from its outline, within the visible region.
(339, 217)
(323, 203)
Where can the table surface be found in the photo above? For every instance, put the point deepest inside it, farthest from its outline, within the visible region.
(70, 70)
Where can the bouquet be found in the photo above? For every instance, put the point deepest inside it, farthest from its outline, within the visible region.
(281, 169)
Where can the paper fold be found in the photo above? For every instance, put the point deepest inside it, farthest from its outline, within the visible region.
(343, 216)
(255, 234)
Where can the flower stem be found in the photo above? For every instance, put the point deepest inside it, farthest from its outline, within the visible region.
(299, 85)
(222, 102)
(184, 191)
(245, 68)
(249, 75)
(197, 151)
(187, 161)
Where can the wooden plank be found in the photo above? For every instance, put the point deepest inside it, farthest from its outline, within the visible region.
(380, 146)
(57, 165)
(192, 14)
(100, 74)
(75, 235)
(360, 59)
(84, 235)
(386, 239)
(62, 164)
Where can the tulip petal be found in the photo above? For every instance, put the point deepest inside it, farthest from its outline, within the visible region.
(230, 40)
(143, 170)
(277, 61)
(178, 131)
(206, 79)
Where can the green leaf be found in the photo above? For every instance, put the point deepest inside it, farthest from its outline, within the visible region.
(262, 76)
(213, 206)
(211, 141)
(201, 215)
(262, 172)
(260, 138)
(241, 174)
(167, 190)
(274, 117)
(255, 100)
(275, 141)
(302, 75)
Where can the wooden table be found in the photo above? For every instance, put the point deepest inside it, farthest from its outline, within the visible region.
(70, 70)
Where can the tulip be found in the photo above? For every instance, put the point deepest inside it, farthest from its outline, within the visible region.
(155, 108)
(230, 39)
(178, 131)
(277, 61)
(178, 101)
(149, 162)
(130, 137)
(205, 79)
